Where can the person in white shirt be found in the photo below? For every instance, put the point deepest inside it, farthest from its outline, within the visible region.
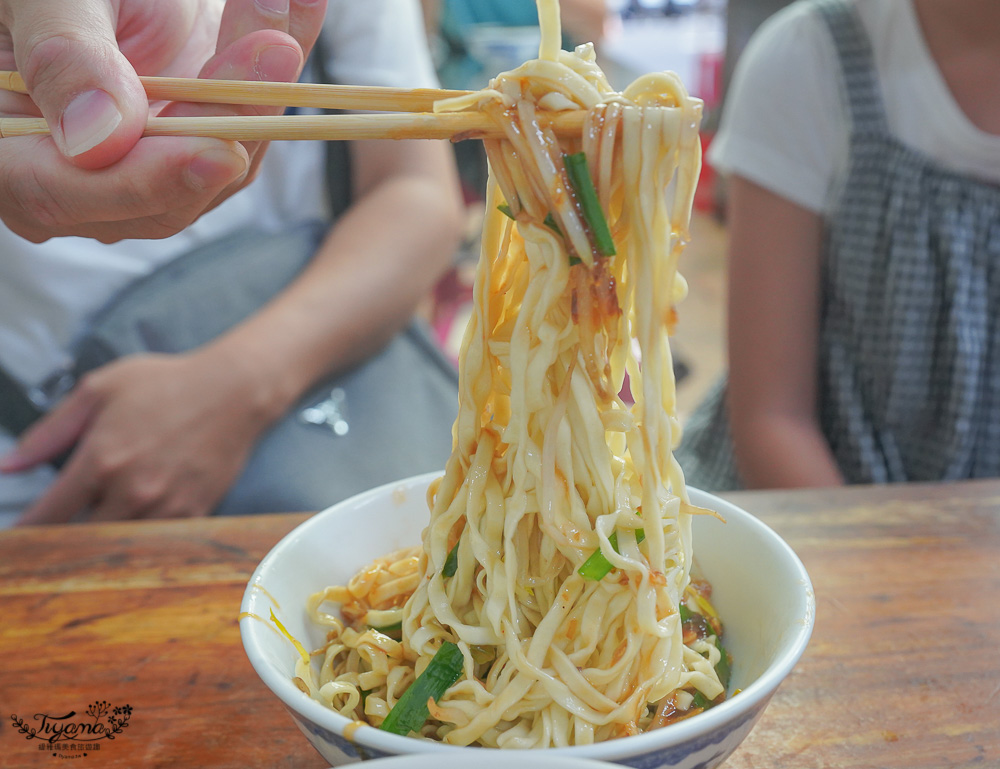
(861, 139)
(165, 435)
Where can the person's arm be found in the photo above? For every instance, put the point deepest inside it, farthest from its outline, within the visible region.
(774, 285)
(165, 436)
(378, 261)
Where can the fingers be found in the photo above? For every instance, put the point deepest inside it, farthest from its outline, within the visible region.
(305, 20)
(86, 89)
(92, 489)
(155, 191)
(242, 17)
(73, 491)
(265, 55)
(149, 497)
(302, 19)
(54, 434)
(246, 52)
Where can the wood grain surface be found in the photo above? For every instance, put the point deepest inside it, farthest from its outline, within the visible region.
(903, 669)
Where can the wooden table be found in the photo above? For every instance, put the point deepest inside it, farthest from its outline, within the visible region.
(903, 669)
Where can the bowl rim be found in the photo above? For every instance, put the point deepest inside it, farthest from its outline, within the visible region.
(755, 695)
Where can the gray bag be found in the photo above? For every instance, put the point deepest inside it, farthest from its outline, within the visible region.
(386, 419)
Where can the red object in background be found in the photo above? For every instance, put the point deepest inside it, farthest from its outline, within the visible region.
(704, 195)
(710, 79)
(710, 66)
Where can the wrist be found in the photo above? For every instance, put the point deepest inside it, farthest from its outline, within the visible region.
(261, 390)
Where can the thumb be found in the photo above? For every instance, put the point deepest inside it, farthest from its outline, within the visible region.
(67, 53)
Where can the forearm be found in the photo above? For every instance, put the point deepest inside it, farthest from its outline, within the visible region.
(375, 265)
(774, 317)
(780, 451)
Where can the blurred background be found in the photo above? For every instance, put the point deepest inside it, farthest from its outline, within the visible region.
(700, 40)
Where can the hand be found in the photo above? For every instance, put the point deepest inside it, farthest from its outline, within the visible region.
(95, 177)
(156, 436)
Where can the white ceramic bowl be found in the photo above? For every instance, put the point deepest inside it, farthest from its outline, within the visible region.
(760, 589)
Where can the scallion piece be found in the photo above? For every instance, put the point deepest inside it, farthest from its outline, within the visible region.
(410, 711)
(389, 630)
(597, 566)
(586, 193)
(722, 666)
(549, 220)
(451, 563)
(700, 701)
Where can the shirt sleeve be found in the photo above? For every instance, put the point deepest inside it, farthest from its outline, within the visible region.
(783, 124)
(378, 42)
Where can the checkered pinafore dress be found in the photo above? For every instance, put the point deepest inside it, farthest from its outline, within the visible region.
(909, 343)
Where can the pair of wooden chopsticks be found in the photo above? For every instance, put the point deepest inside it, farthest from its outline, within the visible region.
(415, 119)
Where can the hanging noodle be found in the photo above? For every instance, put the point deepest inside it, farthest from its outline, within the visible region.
(550, 463)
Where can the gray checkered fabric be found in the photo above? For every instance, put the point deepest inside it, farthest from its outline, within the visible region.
(909, 365)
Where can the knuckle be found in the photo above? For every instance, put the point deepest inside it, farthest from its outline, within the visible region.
(145, 493)
(170, 222)
(90, 388)
(106, 467)
(55, 56)
(62, 55)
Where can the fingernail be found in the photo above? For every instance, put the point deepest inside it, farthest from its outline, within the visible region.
(88, 120)
(276, 62)
(273, 6)
(215, 168)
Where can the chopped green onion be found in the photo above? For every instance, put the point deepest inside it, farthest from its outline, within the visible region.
(597, 566)
(686, 613)
(722, 666)
(549, 220)
(451, 563)
(701, 701)
(552, 224)
(395, 627)
(410, 711)
(583, 185)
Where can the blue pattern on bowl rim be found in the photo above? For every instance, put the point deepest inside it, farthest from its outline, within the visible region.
(705, 752)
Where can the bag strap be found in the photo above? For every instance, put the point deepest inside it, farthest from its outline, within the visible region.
(17, 410)
(338, 155)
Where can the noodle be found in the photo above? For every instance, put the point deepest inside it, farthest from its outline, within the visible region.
(550, 464)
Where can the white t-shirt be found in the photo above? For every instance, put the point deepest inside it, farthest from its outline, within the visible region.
(785, 123)
(49, 290)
